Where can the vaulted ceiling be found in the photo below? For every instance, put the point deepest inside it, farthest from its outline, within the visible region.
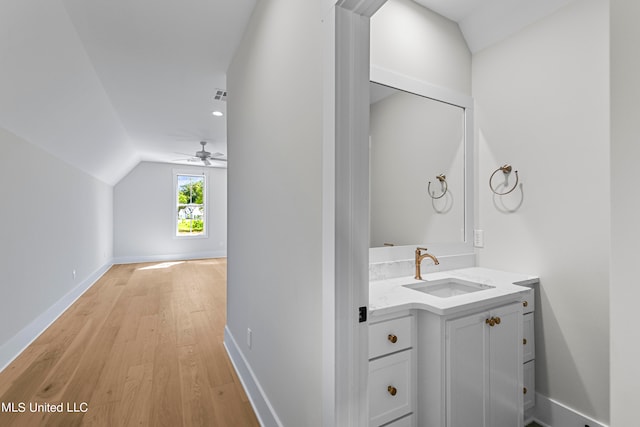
(104, 84)
(485, 22)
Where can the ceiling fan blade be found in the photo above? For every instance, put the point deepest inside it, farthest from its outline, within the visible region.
(204, 157)
(218, 156)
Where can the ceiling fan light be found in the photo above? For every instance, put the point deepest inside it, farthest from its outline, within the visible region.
(218, 113)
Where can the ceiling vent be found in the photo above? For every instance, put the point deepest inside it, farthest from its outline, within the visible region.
(221, 95)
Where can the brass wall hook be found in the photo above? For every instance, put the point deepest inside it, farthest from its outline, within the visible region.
(443, 181)
(506, 169)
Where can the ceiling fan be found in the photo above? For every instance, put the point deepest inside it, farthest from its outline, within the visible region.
(204, 156)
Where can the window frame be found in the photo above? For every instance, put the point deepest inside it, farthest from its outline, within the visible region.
(175, 211)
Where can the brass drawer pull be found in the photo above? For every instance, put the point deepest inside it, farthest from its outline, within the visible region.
(524, 390)
(392, 390)
(392, 338)
(525, 304)
(524, 341)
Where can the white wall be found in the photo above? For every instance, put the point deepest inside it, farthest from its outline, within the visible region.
(275, 206)
(625, 211)
(55, 219)
(52, 95)
(542, 104)
(144, 220)
(412, 40)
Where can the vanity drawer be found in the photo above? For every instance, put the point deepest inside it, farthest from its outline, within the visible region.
(391, 387)
(529, 384)
(390, 336)
(528, 338)
(407, 421)
(528, 301)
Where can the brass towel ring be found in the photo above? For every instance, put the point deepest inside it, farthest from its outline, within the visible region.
(443, 180)
(506, 169)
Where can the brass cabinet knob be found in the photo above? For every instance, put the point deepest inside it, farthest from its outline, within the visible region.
(524, 390)
(525, 304)
(497, 319)
(392, 338)
(392, 390)
(524, 341)
(490, 322)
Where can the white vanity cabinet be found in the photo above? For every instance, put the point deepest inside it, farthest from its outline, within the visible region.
(483, 377)
(392, 386)
(529, 351)
(465, 360)
(469, 368)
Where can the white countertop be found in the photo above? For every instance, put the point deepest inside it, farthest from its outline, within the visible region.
(388, 296)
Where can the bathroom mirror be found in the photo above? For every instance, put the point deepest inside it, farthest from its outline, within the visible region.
(418, 132)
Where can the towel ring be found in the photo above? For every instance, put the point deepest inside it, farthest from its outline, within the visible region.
(506, 169)
(443, 180)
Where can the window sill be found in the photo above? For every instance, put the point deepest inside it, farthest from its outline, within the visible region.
(189, 237)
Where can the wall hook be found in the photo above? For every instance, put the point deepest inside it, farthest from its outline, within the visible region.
(443, 181)
(506, 169)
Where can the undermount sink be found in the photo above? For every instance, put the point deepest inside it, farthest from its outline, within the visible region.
(449, 287)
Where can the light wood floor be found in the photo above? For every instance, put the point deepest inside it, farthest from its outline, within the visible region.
(142, 347)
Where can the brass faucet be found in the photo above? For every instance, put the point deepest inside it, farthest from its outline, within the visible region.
(419, 257)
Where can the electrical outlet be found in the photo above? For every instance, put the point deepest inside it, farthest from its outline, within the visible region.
(478, 238)
(249, 336)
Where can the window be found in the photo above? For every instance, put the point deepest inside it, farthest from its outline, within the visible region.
(190, 205)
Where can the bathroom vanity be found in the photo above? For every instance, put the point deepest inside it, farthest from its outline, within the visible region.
(456, 348)
(453, 350)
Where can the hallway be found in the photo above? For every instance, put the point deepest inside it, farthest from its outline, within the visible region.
(142, 347)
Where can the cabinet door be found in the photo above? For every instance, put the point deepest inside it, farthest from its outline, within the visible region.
(484, 369)
(467, 356)
(505, 368)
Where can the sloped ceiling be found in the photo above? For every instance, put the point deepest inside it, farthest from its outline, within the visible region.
(485, 22)
(105, 84)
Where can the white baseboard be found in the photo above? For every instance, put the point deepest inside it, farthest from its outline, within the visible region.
(170, 257)
(261, 405)
(551, 413)
(20, 341)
